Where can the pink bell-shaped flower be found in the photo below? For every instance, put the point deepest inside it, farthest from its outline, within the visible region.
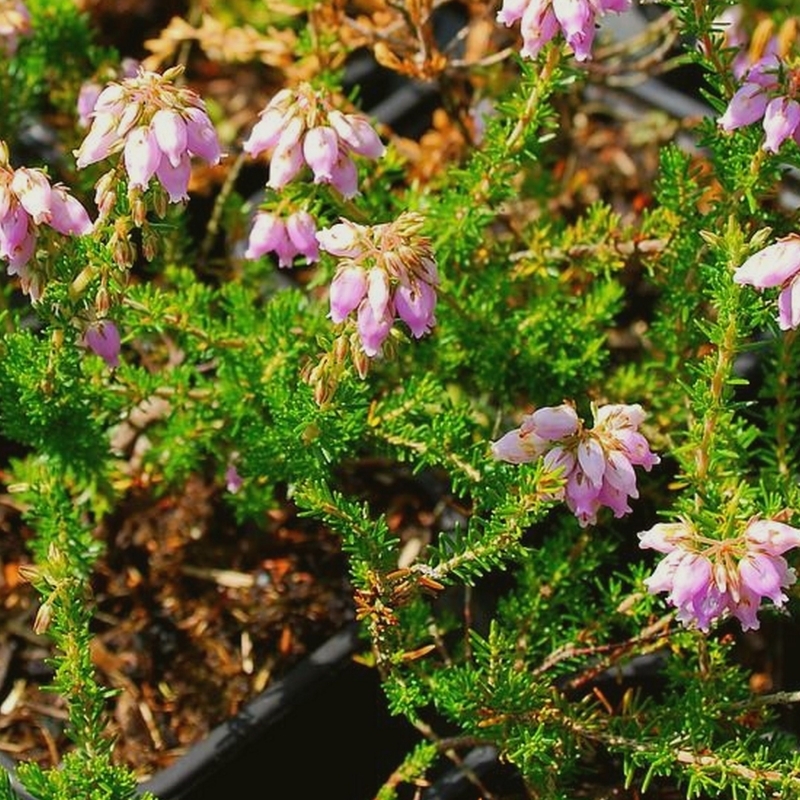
(102, 338)
(777, 264)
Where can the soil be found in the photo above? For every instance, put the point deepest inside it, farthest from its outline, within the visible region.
(185, 642)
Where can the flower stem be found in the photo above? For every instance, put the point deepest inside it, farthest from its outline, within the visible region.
(726, 352)
(783, 408)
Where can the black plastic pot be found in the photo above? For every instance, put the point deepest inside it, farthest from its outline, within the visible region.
(339, 742)
(307, 682)
(322, 730)
(479, 765)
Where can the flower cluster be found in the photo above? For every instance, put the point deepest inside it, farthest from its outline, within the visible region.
(301, 127)
(158, 127)
(597, 465)
(777, 265)
(28, 201)
(295, 236)
(15, 21)
(540, 21)
(707, 579)
(762, 97)
(385, 271)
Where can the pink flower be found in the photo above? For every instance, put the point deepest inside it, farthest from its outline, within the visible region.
(749, 102)
(102, 338)
(512, 11)
(597, 465)
(90, 90)
(142, 156)
(771, 536)
(321, 152)
(28, 202)
(301, 128)
(777, 264)
(345, 176)
(664, 536)
(67, 215)
(15, 22)
(348, 289)
(540, 21)
(415, 305)
(576, 18)
(286, 238)
(373, 327)
(287, 157)
(17, 238)
(620, 423)
(32, 188)
(201, 136)
(233, 480)
(538, 435)
(386, 272)
(538, 26)
(762, 98)
(781, 119)
(268, 235)
(170, 131)
(378, 291)
(707, 579)
(175, 177)
(302, 230)
(345, 239)
(357, 133)
(157, 125)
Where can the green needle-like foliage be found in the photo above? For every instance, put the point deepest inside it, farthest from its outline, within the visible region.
(593, 400)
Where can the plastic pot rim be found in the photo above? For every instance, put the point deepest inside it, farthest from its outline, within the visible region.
(229, 737)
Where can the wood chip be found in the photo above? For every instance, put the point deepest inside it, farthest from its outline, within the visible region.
(13, 697)
(247, 653)
(228, 578)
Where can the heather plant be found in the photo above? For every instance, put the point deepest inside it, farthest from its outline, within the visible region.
(455, 321)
